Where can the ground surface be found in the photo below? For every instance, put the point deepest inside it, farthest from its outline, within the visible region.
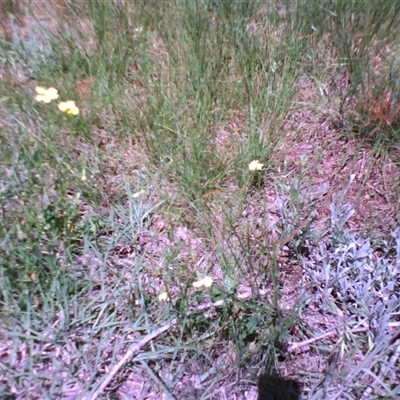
(112, 218)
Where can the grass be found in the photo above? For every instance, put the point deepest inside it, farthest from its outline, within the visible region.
(148, 190)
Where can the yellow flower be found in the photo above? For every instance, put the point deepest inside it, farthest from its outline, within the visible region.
(46, 95)
(69, 107)
(163, 296)
(256, 166)
(206, 282)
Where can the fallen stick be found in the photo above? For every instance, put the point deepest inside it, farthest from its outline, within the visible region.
(298, 345)
(135, 347)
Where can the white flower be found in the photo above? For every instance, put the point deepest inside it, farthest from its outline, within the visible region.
(163, 296)
(206, 282)
(137, 194)
(256, 166)
(46, 95)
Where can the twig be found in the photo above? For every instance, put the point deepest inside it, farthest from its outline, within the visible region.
(298, 345)
(135, 347)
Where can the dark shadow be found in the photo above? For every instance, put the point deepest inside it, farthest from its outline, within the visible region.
(273, 387)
